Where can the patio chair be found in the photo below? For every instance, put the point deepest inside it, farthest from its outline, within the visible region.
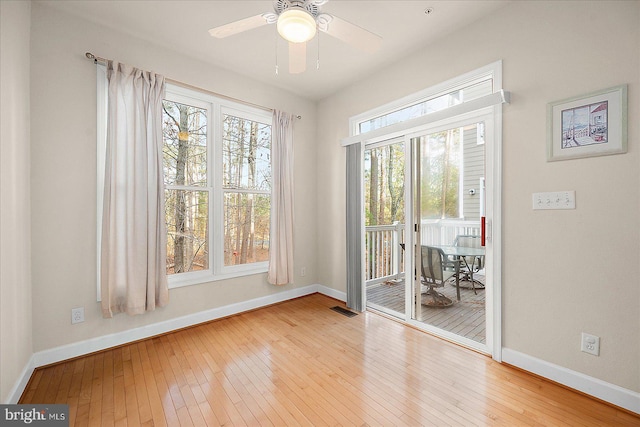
(470, 264)
(437, 268)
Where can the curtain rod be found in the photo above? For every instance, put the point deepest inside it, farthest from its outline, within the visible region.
(97, 59)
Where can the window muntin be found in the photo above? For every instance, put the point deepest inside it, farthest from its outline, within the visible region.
(438, 102)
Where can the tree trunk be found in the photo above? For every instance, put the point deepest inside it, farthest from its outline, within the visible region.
(373, 189)
(445, 172)
(181, 162)
(238, 196)
(382, 193)
(247, 227)
(396, 196)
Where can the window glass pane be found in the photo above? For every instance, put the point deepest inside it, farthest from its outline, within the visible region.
(184, 133)
(246, 228)
(384, 185)
(429, 106)
(186, 214)
(440, 174)
(246, 149)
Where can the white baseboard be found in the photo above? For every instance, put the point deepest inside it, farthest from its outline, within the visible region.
(330, 292)
(603, 390)
(21, 384)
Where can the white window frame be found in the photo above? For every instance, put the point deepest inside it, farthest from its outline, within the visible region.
(216, 108)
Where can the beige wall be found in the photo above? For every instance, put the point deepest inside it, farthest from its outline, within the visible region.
(564, 272)
(63, 88)
(15, 276)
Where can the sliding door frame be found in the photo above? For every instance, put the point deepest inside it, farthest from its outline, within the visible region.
(413, 228)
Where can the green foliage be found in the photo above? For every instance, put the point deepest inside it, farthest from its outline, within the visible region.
(440, 175)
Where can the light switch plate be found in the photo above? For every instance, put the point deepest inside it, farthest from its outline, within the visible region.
(554, 200)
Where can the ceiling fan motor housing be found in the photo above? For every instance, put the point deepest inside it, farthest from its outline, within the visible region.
(309, 6)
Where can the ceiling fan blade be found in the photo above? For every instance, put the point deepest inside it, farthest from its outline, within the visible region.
(238, 26)
(349, 33)
(297, 57)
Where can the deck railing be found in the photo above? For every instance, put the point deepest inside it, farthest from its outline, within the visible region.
(385, 257)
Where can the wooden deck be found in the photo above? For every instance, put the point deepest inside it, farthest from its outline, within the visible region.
(465, 317)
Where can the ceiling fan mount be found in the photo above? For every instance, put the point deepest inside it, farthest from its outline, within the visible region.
(297, 22)
(312, 7)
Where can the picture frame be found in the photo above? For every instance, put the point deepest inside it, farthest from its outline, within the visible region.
(589, 125)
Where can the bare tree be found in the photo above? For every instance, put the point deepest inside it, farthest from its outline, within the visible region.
(373, 188)
(381, 192)
(396, 193)
(185, 165)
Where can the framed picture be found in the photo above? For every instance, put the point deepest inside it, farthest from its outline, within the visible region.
(590, 125)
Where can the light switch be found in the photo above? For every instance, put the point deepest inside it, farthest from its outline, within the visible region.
(554, 200)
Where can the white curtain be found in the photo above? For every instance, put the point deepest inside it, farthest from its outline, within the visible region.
(281, 233)
(133, 254)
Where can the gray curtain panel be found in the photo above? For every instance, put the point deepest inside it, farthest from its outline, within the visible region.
(355, 295)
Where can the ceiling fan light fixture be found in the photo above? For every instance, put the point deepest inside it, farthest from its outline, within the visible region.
(296, 25)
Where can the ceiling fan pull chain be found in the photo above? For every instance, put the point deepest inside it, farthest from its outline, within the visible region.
(318, 60)
(276, 53)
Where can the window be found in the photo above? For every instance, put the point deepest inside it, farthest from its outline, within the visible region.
(217, 179)
(217, 166)
(428, 104)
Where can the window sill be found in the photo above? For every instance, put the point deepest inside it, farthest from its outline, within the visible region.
(198, 278)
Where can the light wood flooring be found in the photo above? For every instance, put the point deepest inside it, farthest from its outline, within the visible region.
(300, 363)
(465, 317)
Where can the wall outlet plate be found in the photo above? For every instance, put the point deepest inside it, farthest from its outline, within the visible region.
(77, 315)
(590, 344)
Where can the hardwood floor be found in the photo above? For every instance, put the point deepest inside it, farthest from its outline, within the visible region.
(300, 363)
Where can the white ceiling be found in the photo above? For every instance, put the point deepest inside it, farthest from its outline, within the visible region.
(182, 26)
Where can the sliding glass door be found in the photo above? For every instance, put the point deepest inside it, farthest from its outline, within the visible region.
(384, 204)
(428, 190)
(448, 168)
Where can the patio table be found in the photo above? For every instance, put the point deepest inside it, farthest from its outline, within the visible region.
(458, 252)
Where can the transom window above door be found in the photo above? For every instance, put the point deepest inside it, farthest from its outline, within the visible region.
(425, 103)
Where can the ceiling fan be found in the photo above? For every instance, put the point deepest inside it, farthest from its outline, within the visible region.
(297, 22)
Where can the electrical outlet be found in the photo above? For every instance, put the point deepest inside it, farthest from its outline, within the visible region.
(303, 271)
(590, 344)
(77, 315)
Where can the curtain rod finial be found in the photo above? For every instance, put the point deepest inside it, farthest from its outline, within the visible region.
(91, 56)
